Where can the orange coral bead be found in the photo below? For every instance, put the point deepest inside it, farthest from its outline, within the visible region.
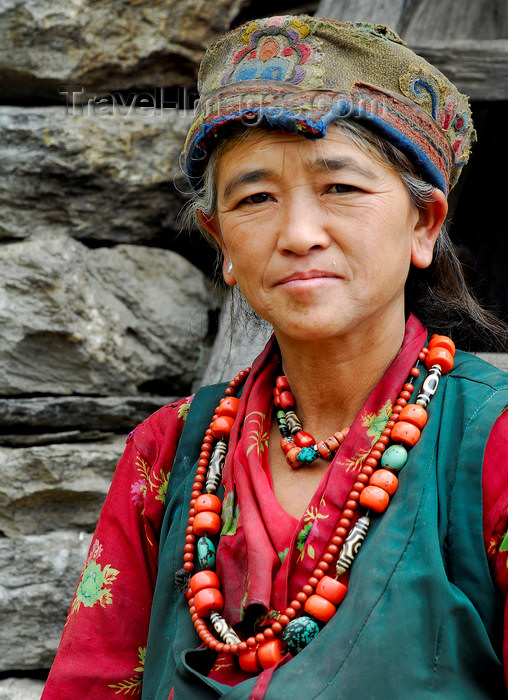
(291, 457)
(374, 498)
(405, 432)
(228, 406)
(206, 522)
(270, 653)
(320, 607)
(415, 414)
(323, 450)
(440, 356)
(203, 579)
(331, 589)
(221, 426)
(287, 444)
(442, 341)
(208, 501)
(208, 599)
(386, 480)
(332, 443)
(248, 661)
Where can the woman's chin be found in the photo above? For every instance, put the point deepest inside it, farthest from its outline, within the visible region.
(309, 332)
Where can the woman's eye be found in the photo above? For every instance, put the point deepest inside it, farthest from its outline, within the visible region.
(340, 188)
(258, 198)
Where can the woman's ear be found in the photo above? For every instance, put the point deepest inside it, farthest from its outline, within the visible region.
(427, 228)
(211, 225)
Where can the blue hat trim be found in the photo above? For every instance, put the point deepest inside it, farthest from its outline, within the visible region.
(293, 123)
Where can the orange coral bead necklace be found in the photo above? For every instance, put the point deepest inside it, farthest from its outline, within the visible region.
(319, 597)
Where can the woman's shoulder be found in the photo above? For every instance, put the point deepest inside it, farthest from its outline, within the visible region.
(481, 369)
(160, 432)
(156, 438)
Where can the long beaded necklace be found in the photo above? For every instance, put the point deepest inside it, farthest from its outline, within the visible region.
(377, 481)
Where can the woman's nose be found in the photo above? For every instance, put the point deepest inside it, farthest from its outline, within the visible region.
(301, 228)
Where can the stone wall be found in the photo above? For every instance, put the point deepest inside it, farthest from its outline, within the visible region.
(106, 312)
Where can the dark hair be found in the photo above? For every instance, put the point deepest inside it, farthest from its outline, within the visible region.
(438, 295)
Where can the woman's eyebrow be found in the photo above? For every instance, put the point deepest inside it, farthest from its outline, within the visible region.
(344, 163)
(249, 176)
(325, 164)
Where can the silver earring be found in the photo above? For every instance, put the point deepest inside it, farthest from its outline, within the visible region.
(230, 267)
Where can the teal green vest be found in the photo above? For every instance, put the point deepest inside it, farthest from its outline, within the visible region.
(421, 619)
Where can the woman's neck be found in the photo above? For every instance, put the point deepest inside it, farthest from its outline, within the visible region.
(331, 379)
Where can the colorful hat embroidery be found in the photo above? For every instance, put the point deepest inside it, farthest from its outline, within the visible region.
(274, 51)
(451, 116)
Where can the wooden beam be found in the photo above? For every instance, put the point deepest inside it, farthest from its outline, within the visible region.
(426, 20)
(478, 68)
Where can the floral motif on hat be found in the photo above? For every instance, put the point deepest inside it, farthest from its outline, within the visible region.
(279, 48)
(436, 99)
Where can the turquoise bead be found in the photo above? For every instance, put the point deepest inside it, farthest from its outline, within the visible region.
(307, 455)
(298, 633)
(394, 458)
(206, 553)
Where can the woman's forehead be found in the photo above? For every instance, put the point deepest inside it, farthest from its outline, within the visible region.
(261, 145)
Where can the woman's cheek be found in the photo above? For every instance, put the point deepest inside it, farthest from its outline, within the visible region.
(240, 229)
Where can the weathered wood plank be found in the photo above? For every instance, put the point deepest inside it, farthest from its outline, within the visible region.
(478, 68)
(376, 11)
(424, 20)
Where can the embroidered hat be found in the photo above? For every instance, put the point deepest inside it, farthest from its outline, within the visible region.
(301, 73)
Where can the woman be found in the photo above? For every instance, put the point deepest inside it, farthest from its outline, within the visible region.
(336, 240)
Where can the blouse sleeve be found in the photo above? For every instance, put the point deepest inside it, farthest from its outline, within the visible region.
(101, 653)
(495, 516)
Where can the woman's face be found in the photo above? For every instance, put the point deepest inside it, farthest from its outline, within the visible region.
(320, 234)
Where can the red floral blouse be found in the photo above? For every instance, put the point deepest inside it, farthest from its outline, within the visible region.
(101, 654)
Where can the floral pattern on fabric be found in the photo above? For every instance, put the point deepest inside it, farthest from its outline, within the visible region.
(230, 514)
(257, 435)
(101, 654)
(375, 423)
(132, 685)
(283, 555)
(140, 486)
(157, 482)
(95, 583)
(183, 410)
(311, 515)
(159, 485)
